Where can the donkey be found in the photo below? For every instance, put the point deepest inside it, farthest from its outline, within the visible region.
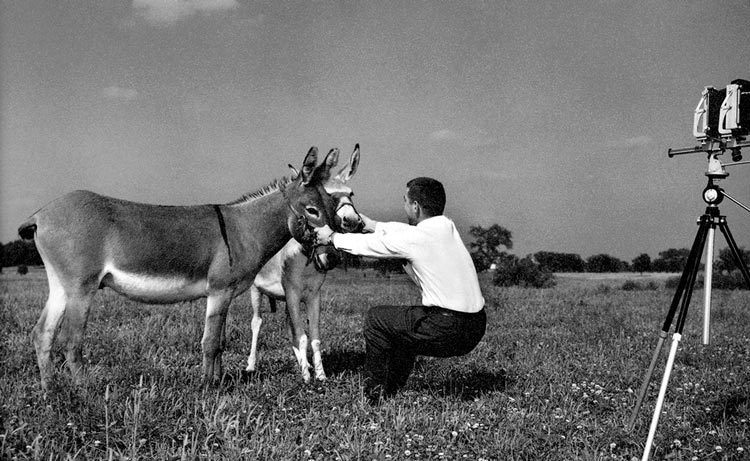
(166, 254)
(288, 277)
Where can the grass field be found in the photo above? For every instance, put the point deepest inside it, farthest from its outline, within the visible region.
(555, 378)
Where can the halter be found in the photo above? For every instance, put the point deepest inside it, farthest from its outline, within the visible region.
(343, 204)
(310, 243)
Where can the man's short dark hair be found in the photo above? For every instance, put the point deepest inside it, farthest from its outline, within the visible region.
(429, 193)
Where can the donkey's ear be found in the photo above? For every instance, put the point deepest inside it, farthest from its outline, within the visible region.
(323, 171)
(308, 166)
(295, 172)
(350, 168)
(332, 159)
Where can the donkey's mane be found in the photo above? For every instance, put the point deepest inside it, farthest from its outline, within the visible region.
(275, 185)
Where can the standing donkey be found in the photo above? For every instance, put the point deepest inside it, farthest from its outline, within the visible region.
(165, 254)
(288, 277)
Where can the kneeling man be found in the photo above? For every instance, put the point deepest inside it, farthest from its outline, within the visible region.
(451, 319)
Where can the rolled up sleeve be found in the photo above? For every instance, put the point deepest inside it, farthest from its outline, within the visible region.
(390, 240)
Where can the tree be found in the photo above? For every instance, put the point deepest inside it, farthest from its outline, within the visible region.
(20, 252)
(725, 261)
(387, 265)
(671, 260)
(604, 263)
(642, 263)
(511, 271)
(485, 247)
(559, 262)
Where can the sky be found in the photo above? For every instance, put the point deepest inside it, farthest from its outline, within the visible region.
(550, 118)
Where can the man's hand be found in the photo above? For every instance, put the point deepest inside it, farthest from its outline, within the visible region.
(369, 224)
(323, 235)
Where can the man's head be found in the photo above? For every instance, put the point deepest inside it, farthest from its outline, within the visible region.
(425, 198)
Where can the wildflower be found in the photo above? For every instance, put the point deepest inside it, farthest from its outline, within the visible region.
(677, 443)
(612, 446)
(407, 452)
(718, 449)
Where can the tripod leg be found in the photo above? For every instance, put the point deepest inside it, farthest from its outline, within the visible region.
(662, 393)
(735, 250)
(706, 225)
(690, 270)
(707, 285)
(686, 280)
(646, 380)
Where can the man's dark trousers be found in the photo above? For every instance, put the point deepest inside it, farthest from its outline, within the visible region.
(395, 335)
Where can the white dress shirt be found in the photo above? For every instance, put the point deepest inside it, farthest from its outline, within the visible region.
(439, 263)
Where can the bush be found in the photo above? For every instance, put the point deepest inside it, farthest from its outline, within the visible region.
(632, 285)
(512, 271)
(732, 281)
(672, 282)
(23, 269)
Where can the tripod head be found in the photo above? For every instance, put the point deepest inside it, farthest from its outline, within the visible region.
(713, 195)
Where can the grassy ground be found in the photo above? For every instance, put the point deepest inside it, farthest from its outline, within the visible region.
(554, 378)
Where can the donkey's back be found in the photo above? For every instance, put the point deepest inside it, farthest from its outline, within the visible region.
(123, 244)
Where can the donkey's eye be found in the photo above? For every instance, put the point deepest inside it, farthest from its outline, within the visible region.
(312, 211)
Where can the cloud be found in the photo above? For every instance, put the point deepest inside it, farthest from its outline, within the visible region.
(635, 141)
(444, 135)
(168, 12)
(471, 138)
(119, 93)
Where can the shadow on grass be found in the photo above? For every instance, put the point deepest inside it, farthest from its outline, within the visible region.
(467, 385)
(340, 361)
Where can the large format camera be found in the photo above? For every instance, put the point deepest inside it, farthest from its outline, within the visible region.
(723, 113)
(721, 122)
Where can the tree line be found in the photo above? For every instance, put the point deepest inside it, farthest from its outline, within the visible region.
(486, 249)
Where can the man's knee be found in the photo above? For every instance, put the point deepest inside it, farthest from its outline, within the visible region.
(375, 317)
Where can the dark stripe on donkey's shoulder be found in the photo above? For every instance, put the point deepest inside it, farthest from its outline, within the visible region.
(223, 229)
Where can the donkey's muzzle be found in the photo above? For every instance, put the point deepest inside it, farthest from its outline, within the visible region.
(325, 257)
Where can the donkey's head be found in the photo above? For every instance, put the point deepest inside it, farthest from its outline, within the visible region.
(309, 204)
(347, 217)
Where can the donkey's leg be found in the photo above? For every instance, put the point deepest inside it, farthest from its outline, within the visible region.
(43, 335)
(255, 299)
(73, 327)
(313, 317)
(299, 338)
(217, 307)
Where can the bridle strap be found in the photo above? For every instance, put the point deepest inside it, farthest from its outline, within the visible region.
(307, 247)
(343, 204)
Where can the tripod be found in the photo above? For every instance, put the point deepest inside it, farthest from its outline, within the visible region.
(707, 223)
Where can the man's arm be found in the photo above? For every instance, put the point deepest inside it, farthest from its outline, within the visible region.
(388, 240)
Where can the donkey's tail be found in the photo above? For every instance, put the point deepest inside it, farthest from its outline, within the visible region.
(27, 230)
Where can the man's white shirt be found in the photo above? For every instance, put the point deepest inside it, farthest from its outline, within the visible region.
(439, 263)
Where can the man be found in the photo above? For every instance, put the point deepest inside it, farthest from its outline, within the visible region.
(451, 319)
